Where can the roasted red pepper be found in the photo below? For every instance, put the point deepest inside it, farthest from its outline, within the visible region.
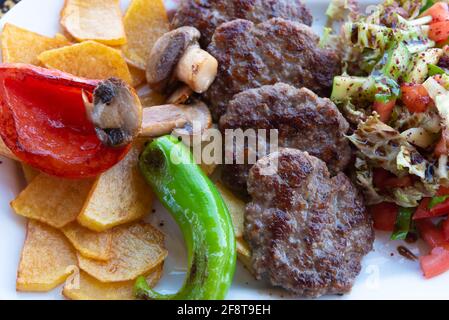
(43, 121)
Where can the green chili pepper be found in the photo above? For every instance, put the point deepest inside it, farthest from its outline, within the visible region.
(202, 216)
(403, 224)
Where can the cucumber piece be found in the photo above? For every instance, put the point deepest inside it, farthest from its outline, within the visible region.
(395, 62)
(419, 71)
(367, 35)
(434, 70)
(364, 89)
(420, 45)
(346, 88)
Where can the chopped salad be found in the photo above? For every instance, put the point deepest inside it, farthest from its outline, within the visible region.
(395, 92)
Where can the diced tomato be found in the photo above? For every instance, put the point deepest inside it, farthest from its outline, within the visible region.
(431, 234)
(442, 44)
(439, 12)
(441, 147)
(423, 211)
(384, 109)
(383, 179)
(43, 121)
(436, 263)
(439, 31)
(443, 191)
(415, 97)
(445, 227)
(440, 209)
(384, 215)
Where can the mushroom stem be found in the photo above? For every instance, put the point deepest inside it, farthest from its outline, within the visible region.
(197, 68)
(177, 118)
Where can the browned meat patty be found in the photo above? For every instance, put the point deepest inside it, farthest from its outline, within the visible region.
(278, 50)
(308, 232)
(304, 121)
(207, 15)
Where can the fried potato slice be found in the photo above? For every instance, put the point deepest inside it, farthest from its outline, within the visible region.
(119, 196)
(4, 151)
(98, 20)
(47, 259)
(136, 250)
(145, 21)
(51, 200)
(138, 76)
(88, 59)
(236, 209)
(29, 173)
(244, 254)
(91, 244)
(92, 289)
(23, 46)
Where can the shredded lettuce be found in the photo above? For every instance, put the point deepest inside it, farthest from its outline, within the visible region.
(339, 10)
(404, 160)
(352, 113)
(408, 197)
(364, 175)
(403, 119)
(386, 148)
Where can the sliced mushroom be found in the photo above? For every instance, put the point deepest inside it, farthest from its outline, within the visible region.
(181, 120)
(180, 96)
(116, 112)
(178, 56)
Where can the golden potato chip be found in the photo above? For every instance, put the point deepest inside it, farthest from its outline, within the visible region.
(99, 20)
(92, 289)
(52, 200)
(91, 244)
(23, 46)
(236, 209)
(244, 254)
(29, 173)
(63, 38)
(119, 195)
(145, 22)
(47, 259)
(88, 59)
(136, 250)
(138, 76)
(4, 151)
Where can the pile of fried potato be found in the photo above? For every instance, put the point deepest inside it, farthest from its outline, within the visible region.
(89, 234)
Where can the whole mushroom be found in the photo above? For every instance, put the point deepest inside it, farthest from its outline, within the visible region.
(116, 112)
(177, 56)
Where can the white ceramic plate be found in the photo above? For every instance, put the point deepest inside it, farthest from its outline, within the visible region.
(385, 274)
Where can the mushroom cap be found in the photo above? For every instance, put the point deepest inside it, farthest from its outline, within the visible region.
(116, 112)
(165, 55)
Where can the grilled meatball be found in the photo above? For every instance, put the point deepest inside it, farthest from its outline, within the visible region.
(250, 56)
(207, 15)
(303, 120)
(308, 232)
